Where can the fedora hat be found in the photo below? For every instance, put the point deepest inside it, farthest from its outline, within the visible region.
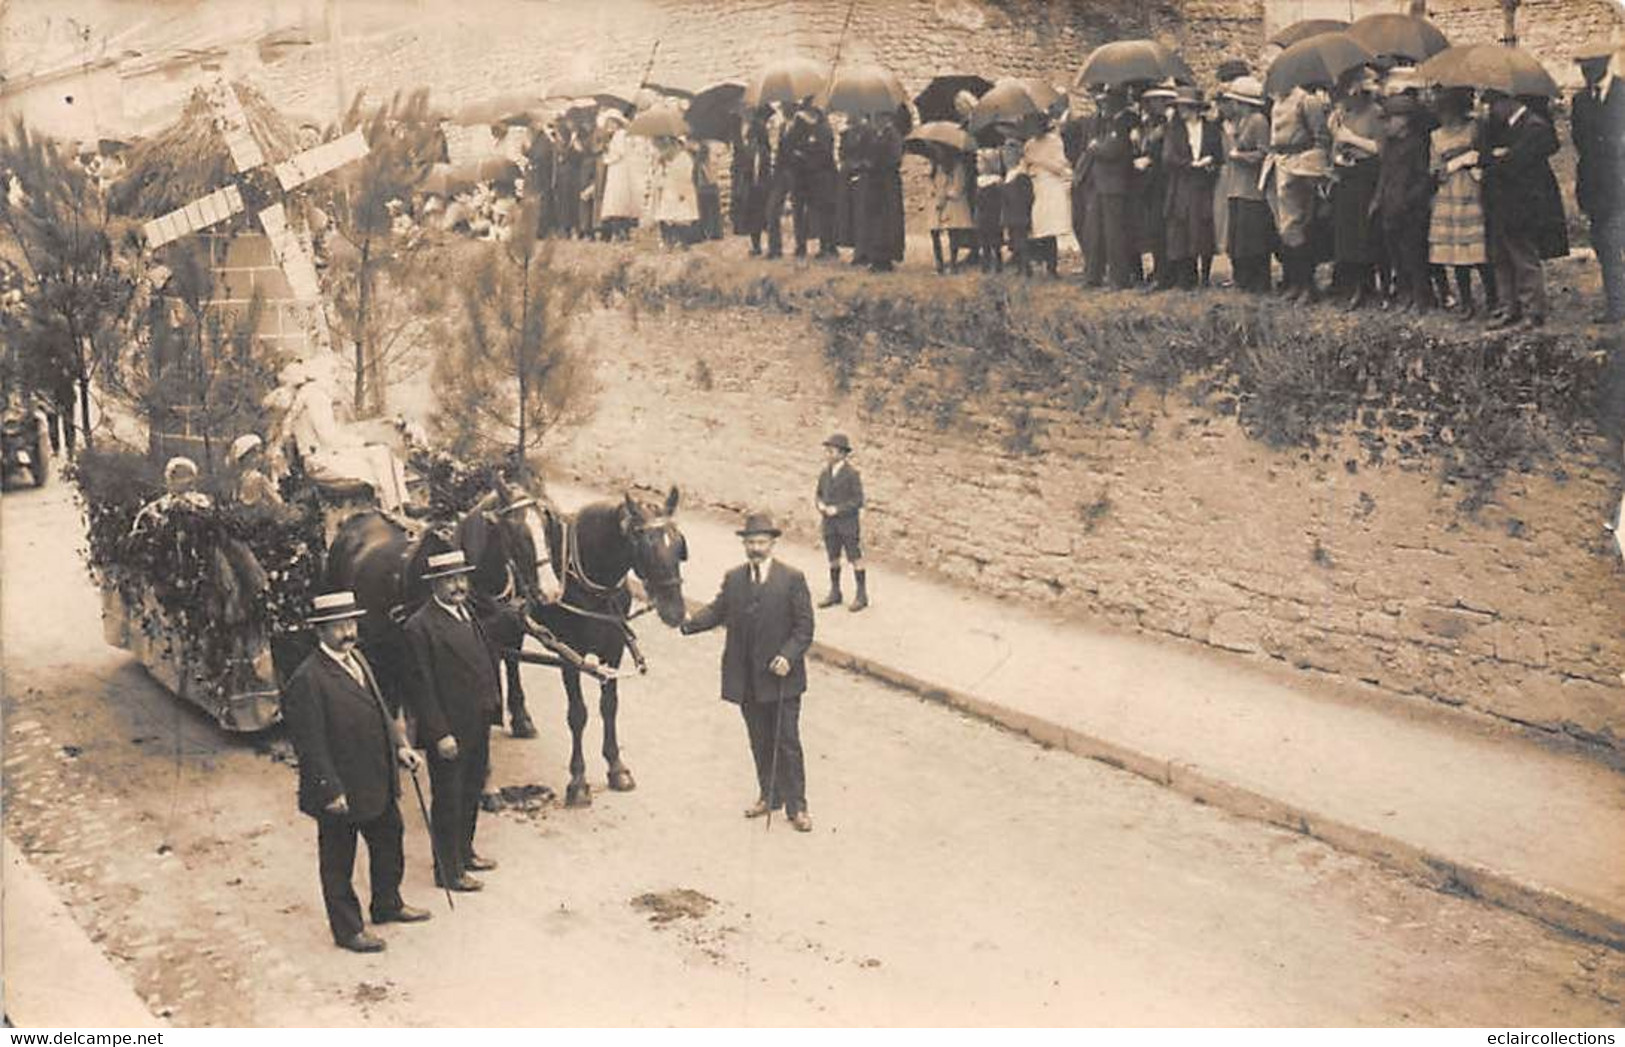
(1165, 89)
(333, 607)
(444, 565)
(839, 442)
(758, 523)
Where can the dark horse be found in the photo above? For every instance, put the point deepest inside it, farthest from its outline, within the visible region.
(502, 536)
(596, 551)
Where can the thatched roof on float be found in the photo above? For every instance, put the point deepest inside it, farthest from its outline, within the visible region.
(189, 158)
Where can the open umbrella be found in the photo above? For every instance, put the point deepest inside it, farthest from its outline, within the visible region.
(1305, 29)
(714, 112)
(938, 136)
(936, 102)
(1320, 59)
(663, 121)
(1504, 69)
(502, 109)
(1404, 36)
(1008, 101)
(864, 90)
(785, 82)
(1045, 95)
(1127, 61)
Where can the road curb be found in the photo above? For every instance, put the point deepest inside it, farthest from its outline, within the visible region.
(1585, 918)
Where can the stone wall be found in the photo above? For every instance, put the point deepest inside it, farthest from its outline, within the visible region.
(1167, 518)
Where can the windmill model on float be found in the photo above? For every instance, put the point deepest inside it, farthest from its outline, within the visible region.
(252, 190)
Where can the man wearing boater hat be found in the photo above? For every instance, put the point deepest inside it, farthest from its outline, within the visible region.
(839, 497)
(349, 747)
(767, 610)
(456, 700)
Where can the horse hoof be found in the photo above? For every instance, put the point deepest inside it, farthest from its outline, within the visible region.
(522, 727)
(621, 781)
(578, 794)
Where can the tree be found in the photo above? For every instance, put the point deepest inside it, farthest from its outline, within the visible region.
(383, 284)
(77, 290)
(513, 368)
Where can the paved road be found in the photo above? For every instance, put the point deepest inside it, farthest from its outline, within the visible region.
(958, 874)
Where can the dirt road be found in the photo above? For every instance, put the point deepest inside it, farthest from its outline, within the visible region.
(957, 874)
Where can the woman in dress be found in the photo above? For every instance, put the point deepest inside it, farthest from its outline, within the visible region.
(1250, 226)
(1356, 126)
(1044, 159)
(952, 225)
(1192, 153)
(675, 204)
(622, 195)
(1456, 230)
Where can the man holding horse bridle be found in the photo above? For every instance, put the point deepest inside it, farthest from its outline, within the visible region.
(767, 610)
(456, 700)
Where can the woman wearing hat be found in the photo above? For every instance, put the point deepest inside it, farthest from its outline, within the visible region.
(1157, 102)
(180, 481)
(622, 195)
(1192, 153)
(253, 486)
(1250, 229)
(1356, 124)
(349, 747)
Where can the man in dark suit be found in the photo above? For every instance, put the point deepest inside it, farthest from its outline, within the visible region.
(1104, 199)
(348, 748)
(1523, 211)
(839, 498)
(807, 156)
(767, 611)
(1599, 187)
(456, 700)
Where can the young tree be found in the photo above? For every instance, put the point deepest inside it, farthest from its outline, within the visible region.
(513, 367)
(383, 284)
(58, 226)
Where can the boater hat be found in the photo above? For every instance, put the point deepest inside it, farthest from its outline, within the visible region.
(333, 607)
(758, 523)
(444, 565)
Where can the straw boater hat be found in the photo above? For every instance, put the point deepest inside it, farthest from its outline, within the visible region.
(758, 523)
(245, 445)
(1246, 90)
(1167, 89)
(178, 465)
(444, 565)
(333, 607)
(840, 443)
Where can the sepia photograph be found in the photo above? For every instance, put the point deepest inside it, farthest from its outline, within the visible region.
(813, 514)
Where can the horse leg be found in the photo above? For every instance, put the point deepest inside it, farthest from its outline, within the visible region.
(519, 721)
(578, 793)
(620, 776)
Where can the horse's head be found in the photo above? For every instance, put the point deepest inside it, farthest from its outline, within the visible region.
(504, 536)
(658, 552)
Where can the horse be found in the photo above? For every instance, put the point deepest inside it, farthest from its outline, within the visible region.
(597, 550)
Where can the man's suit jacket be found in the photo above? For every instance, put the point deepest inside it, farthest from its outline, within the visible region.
(455, 691)
(843, 490)
(345, 738)
(763, 622)
(1599, 138)
(1520, 192)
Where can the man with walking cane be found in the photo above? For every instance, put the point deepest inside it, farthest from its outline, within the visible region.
(767, 611)
(349, 748)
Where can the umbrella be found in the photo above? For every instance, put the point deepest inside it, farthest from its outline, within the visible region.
(864, 90)
(714, 113)
(787, 82)
(662, 121)
(572, 87)
(1008, 101)
(1305, 29)
(933, 138)
(1320, 59)
(510, 108)
(1045, 95)
(1504, 69)
(936, 102)
(1403, 36)
(677, 85)
(1126, 61)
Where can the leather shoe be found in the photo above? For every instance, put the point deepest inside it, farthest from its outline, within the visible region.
(860, 603)
(757, 809)
(1503, 322)
(405, 914)
(834, 599)
(802, 821)
(478, 864)
(363, 942)
(464, 883)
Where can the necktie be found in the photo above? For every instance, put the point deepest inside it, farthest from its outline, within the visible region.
(353, 667)
(756, 574)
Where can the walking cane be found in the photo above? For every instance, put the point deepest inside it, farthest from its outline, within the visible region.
(773, 771)
(434, 844)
